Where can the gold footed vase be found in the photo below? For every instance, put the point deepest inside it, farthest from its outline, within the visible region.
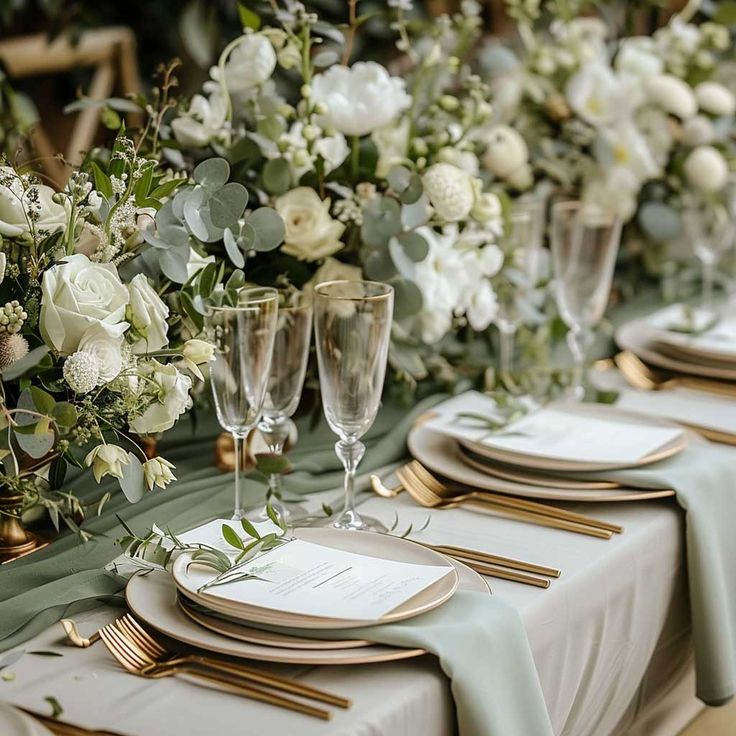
(15, 540)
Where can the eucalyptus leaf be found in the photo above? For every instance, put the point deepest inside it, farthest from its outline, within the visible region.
(227, 204)
(407, 298)
(399, 178)
(276, 176)
(133, 483)
(414, 245)
(325, 58)
(193, 216)
(212, 173)
(269, 227)
(231, 247)
(24, 364)
(378, 265)
(173, 263)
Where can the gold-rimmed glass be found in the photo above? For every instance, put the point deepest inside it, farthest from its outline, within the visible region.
(352, 324)
(286, 379)
(243, 337)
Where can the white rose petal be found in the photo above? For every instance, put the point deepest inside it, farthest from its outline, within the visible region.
(77, 294)
(172, 399)
(672, 95)
(105, 343)
(333, 149)
(15, 201)
(706, 169)
(311, 233)
(715, 99)
(148, 315)
(359, 99)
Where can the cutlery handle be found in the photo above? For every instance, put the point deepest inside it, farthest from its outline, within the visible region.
(499, 572)
(490, 559)
(547, 510)
(707, 386)
(267, 679)
(235, 685)
(533, 518)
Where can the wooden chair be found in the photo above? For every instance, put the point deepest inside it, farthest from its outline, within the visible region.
(111, 52)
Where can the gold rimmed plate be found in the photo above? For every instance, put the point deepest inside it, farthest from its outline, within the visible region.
(381, 546)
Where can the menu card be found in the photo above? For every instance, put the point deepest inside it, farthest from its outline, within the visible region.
(313, 580)
(561, 431)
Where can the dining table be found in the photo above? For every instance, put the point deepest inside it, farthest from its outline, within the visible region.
(610, 638)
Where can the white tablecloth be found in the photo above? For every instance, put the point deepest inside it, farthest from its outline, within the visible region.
(610, 639)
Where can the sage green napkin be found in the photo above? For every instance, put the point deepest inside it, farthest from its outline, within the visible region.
(67, 576)
(704, 479)
(482, 647)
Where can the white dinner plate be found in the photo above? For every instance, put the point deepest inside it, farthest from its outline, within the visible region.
(382, 546)
(441, 455)
(152, 598)
(14, 722)
(543, 462)
(636, 336)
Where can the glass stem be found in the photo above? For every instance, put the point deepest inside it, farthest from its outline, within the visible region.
(275, 433)
(238, 512)
(507, 335)
(578, 340)
(350, 454)
(708, 279)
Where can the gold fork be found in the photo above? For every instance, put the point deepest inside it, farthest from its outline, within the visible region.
(430, 497)
(133, 660)
(156, 653)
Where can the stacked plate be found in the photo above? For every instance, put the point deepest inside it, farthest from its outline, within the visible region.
(683, 342)
(560, 452)
(227, 623)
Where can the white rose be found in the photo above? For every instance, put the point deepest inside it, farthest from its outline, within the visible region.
(77, 294)
(148, 315)
(333, 149)
(361, 98)
(311, 234)
(715, 99)
(171, 401)
(706, 169)
(105, 344)
(204, 121)
(197, 262)
(450, 190)
(157, 472)
(392, 142)
(506, 151)
(250, 63)
(15, 203)
(698, 131)
(107, 460)
(672, 95)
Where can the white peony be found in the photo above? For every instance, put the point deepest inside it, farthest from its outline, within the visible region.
(107, 460)
(77, 294)
(506, 151)
(698, 131)
(672, 95)
(596, 94)
(16, 203)
(450, 190)
(157, 472)
(250, 63)
(311, 233)
(171, 401)
(359, 99)
(706, 169)
(204, 122)
(148, 316)
(715, 99)
(105, 343)
(392, 143)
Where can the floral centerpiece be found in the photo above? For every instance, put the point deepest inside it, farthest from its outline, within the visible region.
(93, 352)
(631, 123)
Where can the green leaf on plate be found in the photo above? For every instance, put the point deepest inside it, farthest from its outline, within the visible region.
(231, 537)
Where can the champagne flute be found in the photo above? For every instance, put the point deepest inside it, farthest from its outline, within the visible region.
(352, 325)
(585, 241)
(243, 337)
(709, 226)
(285, 382)
(518, 247)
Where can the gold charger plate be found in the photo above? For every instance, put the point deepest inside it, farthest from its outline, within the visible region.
(529, 461)
(152, 598)
(636, 336)
(382, 546)
(441, 455)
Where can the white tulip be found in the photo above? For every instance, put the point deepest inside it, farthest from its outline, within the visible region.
(359, 99)
(105, 343)
(148, 316)
(157, 472)
(506, 151)
(672, 95)
(450, 190)
(77, 294)
(706, 169)
(107, 460)
(715, 99)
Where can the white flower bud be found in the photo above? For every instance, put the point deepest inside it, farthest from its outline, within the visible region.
(715, 99)
(107, 460)
(706, 169)
(157, 472)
